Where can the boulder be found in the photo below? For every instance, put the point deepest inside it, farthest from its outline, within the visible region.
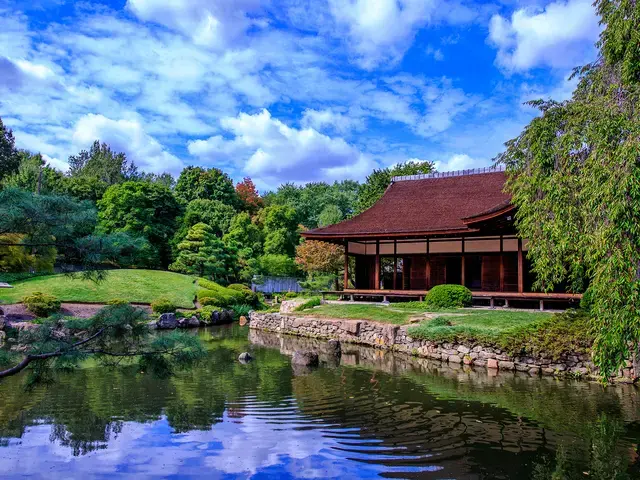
(167, 321)
(289, 306)
(245, 357)
(2, 338)
(226, 317)
(307, 359)
(243, 321)
(334, 348)
(3, 321)
(193, 322)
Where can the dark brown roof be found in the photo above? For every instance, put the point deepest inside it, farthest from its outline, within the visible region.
(429, 205)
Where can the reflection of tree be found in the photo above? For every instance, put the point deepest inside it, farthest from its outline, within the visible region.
(605, 456)
(92, 435)
(88, 407)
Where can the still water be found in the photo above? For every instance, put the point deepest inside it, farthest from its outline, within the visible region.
(372, 414)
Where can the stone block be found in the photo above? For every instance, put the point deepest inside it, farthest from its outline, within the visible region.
(351, 327)
(504, 365)
(463, 349)
(492, 363)
(454, 359)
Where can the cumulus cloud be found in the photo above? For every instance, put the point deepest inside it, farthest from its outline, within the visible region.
(126, 135)
(274, 152)
(458, 161)
(560, 36)
(214, 23)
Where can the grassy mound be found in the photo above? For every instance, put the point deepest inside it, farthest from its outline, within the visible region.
(137, 286)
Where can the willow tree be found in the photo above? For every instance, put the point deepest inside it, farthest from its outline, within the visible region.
(574, 173)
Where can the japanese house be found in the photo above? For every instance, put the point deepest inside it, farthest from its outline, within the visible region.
(427, 230)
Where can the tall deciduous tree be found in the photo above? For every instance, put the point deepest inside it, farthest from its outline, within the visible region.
(212, 184)
(35, 175)
(141, 209)
(250, 200)
(102, 163)
(280, 229)
(9, 159)
(574, 174)
(376, 184)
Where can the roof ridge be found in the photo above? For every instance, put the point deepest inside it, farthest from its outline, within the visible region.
(453, 173)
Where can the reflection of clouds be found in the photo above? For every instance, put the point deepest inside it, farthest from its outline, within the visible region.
(261, 443)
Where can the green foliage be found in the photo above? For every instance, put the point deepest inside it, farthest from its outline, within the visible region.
(35, 175)
(375, 185)
(140, 209)
(15, 258)
(330, 214)
(290, 295)
(163, 305)
(573, 174)
(85, 187)
(241, 310)
(117, 301)
(249, 296)
(41, 304)
(278, 266)
(102, 164)
(280, 227)
(204, 254)
(199, 183)
(245, 235)
(586, 302)
(310, 200)
(312, 302)
(9, 158)
(214, 213)
(318, 282)
(449, 296)
(215, 294)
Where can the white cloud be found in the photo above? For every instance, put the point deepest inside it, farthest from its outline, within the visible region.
(436, 53)
(331, 120)
(274, 153)
(126, 135)
(458, 161)
(559, 36)
(214, 23)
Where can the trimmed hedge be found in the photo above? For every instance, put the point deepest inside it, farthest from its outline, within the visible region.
(312, 302)
(249, 296)
(41, 304)
(449, 296)
(214, 294)
(163, 305)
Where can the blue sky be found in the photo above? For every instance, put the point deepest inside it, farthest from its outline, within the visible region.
(285, 90)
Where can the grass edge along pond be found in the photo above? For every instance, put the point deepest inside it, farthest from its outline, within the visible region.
(514, 331)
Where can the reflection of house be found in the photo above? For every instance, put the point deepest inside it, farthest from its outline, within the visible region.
(426, 230)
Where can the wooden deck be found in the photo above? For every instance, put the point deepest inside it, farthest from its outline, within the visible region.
(477, 295)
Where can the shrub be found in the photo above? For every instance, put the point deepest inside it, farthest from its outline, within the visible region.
(162, 305)
(205, 313)
(290, 295)
(241, 310)
(41, 304)
(214, 294)
(312, 302)
(249, 296)
(449, 296)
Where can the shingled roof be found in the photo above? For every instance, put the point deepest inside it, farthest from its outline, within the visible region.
(426, 204)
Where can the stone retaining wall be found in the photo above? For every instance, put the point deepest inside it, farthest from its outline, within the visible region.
(396, 338)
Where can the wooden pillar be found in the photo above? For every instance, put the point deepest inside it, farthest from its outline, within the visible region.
(346, 265)
(428, 272)
(501, 265)
(462, 273)
(377, 268)
(520, 267)
(395, 263)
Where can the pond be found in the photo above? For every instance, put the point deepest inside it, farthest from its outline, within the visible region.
(373, 414)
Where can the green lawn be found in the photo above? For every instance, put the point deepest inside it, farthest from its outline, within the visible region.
(377, 313)
(476, 324)
(139, 286)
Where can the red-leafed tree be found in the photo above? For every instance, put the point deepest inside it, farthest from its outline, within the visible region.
(249, 196)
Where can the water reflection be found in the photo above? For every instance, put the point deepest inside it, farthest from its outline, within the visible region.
(375, 414)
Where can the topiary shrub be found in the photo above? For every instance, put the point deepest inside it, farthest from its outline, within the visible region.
(41, 304)
(449, 296)
(290, 295)
(163, 305)
(217, 294)
(249, 296)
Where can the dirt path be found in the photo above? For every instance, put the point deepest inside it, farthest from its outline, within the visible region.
(17, 312)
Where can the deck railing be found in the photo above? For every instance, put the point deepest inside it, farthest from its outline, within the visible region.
(454, 173)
